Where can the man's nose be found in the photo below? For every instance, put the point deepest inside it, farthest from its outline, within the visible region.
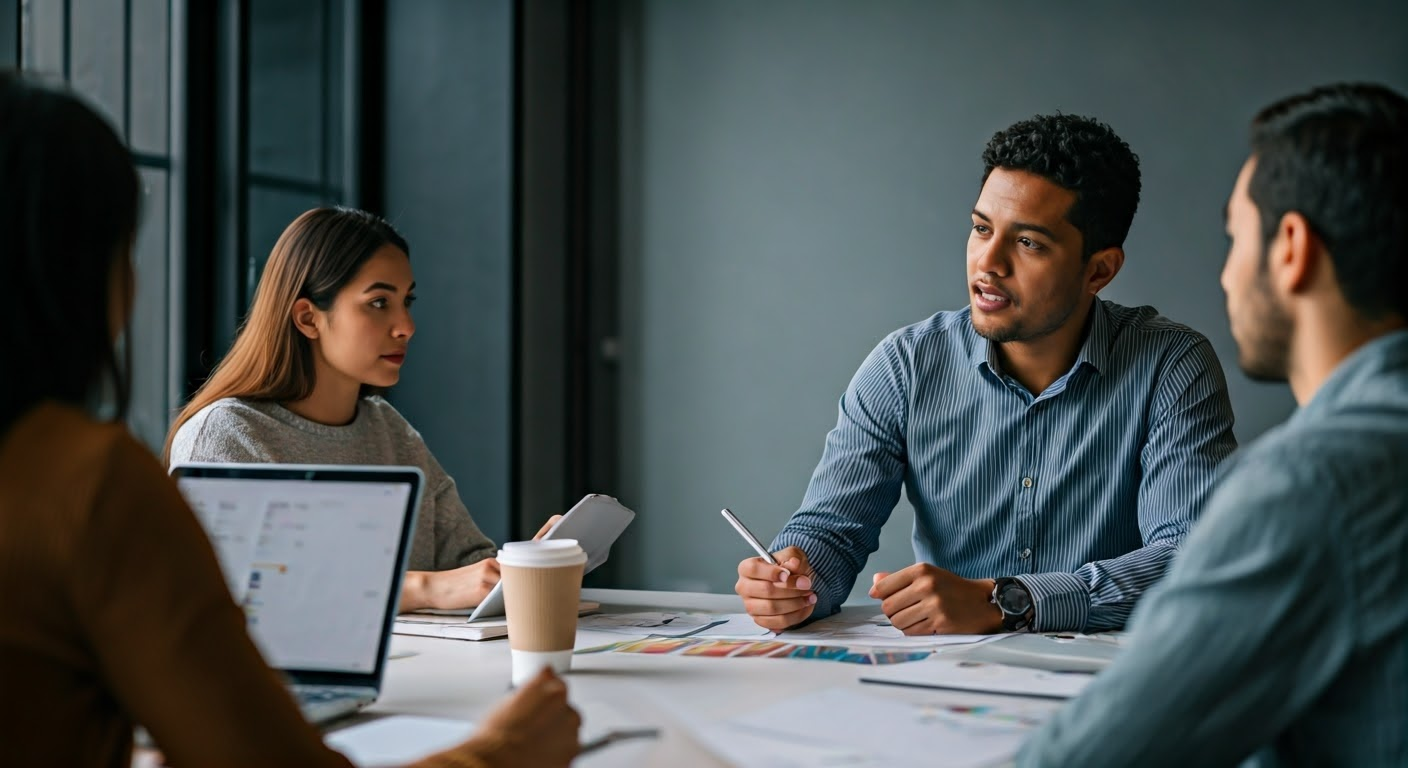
(992, 258)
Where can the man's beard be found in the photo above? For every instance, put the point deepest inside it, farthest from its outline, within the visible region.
(1264, 350)
(1020, 331)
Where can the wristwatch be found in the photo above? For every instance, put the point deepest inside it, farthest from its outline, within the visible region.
(1018, 610)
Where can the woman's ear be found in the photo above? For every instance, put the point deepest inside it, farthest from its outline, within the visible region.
(304, 317)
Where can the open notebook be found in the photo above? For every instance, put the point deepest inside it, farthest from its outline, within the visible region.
(438, 624)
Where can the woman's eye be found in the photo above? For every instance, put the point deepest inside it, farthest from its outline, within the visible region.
(411, 299)
(378, 303)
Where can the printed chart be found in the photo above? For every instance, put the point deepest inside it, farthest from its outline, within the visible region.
(770, 649)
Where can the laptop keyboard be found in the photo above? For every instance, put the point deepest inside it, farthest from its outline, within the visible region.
(322, 703)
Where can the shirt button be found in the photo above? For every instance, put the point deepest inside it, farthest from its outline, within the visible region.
(1026, 482)
(1026, 553)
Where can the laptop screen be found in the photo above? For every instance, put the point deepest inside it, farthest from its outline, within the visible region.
(313, 555)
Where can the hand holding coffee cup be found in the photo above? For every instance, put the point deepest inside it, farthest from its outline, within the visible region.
(542, 585)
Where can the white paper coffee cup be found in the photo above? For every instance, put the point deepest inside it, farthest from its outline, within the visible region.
(542, 587)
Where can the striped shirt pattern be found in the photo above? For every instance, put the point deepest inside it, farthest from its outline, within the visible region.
(1084, 492)
(1280, 637)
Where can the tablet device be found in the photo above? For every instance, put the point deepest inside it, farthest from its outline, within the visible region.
(595, 522)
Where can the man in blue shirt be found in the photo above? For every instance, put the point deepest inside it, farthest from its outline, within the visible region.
(1282, 632)
(1055, 447)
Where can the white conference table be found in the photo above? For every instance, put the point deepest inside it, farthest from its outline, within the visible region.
(465, 679)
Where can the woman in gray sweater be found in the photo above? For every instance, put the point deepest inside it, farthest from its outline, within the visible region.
(326, 333)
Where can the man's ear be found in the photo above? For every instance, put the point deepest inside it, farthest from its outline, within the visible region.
(304, 318)
(1294, 254)
(1102, 268)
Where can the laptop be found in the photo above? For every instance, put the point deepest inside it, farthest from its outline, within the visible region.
(315, 556)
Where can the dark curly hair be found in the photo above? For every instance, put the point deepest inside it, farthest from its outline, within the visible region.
(1082, 155)
(1338, 155)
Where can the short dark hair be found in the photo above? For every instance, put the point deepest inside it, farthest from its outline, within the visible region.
(1338, 155)
(1084, 156)
(68, 210)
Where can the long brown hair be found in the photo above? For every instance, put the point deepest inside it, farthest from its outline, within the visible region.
(318, 254)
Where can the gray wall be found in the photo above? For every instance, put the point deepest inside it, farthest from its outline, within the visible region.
(797, 176)
(448, 165)
(9, 33)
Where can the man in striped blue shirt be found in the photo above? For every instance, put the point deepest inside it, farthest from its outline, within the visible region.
(1055, 447)
(1281, 634)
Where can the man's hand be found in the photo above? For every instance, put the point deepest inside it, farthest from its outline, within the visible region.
(777, 597)
(546, 527)
(459, 588)
(536, 727)
(924, 599)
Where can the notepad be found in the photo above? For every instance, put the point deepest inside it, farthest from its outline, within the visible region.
(452, 625)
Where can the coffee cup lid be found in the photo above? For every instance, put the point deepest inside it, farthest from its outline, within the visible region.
(551, 553)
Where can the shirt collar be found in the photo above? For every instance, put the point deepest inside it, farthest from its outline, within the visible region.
(1094, 351)
(1353, 377)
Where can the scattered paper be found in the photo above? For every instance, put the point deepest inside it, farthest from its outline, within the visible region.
(1051, 652)
(983, 677)
(845, 628)
(397, 740)
(748, 748)
(640, 624)
(403, 739)
(876, 631)
(739, 648)
(846, 727)
(735, 625)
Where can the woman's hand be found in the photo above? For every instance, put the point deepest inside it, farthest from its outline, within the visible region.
(536, 727)
(546, 527)
(459, 588)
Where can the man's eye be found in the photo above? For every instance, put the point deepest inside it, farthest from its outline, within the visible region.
(980, 229)
(1029, 243)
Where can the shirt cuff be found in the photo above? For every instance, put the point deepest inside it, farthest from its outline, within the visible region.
(827, 602)
(1062, 601)
(825, 606)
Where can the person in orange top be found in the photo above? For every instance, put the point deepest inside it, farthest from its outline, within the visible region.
(115, 611)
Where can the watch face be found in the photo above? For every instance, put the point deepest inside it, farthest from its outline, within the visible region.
(1013, 599)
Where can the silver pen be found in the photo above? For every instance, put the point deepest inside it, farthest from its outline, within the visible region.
(748, 536)
(611, 737)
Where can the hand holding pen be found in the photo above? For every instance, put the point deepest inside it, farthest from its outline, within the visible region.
(776, 588)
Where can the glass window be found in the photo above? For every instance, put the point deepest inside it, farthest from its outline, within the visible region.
(118, 56)
(149, 105)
